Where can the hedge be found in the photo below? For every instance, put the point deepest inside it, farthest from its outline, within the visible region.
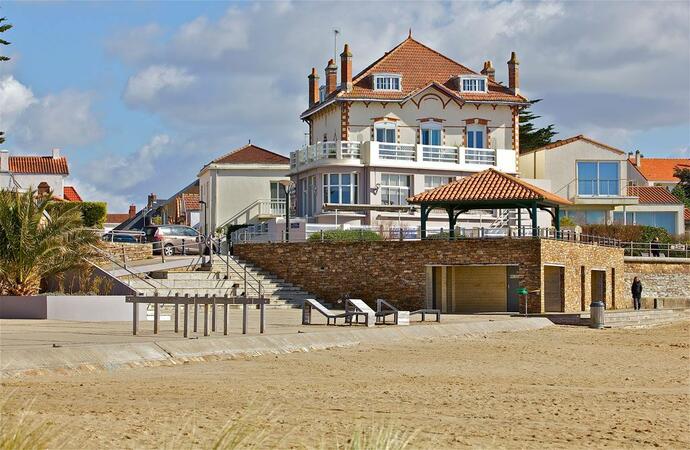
(93, 213)
(345, 235)
(629, 233)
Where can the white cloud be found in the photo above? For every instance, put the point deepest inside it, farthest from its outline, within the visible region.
(204, 39)
(117, 203)
(119, 174)
(56, 120)
(154, 81)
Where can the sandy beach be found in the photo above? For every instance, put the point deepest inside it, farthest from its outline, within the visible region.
(556, 387)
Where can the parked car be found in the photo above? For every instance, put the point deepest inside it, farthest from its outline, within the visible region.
(175, 239)
(121, 238)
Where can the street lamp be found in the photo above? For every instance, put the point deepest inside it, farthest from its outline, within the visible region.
(289, 186)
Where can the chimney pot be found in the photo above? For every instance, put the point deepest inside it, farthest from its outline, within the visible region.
(4, 161)
(638, 158)
(489, 70)
(56, 153)
(346, 69)
(331, 76)
(132, 210)
(514, 73)
(313, 87)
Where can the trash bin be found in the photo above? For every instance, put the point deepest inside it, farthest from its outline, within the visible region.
(596, 314)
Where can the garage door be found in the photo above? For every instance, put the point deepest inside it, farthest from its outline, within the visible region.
(479, 289)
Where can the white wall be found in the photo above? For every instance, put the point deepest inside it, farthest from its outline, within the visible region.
(56, 182)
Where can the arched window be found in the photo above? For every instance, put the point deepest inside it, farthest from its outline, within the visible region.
(385, 131)
(431, 133)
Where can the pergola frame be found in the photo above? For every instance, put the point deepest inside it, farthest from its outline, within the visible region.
(455, 208)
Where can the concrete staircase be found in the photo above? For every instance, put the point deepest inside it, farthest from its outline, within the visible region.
(213, 280)
(641, 318)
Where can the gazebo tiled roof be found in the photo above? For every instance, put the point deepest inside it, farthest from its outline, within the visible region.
(488, 186)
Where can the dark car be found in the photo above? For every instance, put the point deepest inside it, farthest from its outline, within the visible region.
(121, 238)
(175, 239)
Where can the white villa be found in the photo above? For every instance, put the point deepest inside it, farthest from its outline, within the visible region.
(412, 120)
(42, 173)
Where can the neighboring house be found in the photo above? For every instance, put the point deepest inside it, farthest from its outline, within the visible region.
(242, 187)
(603, 183)
(182, 207)
(42, 173)
(112, 220)
(592, 175)
(657, 207)
(659, 171)
(412, 120)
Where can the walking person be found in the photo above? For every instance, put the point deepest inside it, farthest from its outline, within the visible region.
(655, 247)
(636, 289)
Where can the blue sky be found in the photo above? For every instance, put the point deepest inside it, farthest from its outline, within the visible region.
(139, 95)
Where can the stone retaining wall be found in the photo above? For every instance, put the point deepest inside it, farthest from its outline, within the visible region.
(397, 271)
(120, 251)
(661, 277)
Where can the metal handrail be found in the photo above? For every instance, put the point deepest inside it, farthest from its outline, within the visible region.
(122, 266)
(244, 275)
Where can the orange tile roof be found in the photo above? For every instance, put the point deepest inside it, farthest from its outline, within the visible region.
(490, 185)
(251, 154)
(191, 202)
(116, 217)
(661, 169)
(653, 195)
(686, 214)
(39, 165)
(579, 137)
(420, 67)
(71, 194)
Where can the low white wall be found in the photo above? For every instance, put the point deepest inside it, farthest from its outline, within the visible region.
(86, 308)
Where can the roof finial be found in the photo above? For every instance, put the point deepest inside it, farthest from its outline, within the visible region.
(409, 36)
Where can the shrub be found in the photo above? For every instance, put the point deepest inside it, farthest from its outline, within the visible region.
(566, 221)
(628, 233)
(345, 235)
(92, 213)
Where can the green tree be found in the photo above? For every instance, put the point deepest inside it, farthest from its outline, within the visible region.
(3, 27)
(682, 189)
(532, 137)
(34, 246)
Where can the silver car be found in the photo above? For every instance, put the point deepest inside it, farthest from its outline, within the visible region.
(175, 239)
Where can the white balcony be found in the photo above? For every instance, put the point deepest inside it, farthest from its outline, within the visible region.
(400, 155)
(258, 211)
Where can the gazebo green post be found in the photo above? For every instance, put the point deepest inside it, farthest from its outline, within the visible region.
(451, 222)
(534, 219)
(519, 221)
(424, 213)
(558, 218)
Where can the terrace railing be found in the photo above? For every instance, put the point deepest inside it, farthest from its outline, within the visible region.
(397, 152)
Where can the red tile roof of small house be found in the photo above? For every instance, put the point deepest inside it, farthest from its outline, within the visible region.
(71, 194)
(579, 137)
(116, 217)
(653, 195)
(686, 214)
(252, 154)
(489, 185)
(39, 165)
(661, 169)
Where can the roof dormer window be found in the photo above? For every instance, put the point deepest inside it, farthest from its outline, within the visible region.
(472, 83)
(387, 82)
(322, 93)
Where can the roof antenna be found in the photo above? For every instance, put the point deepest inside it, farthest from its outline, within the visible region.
(336, 32)
(409, 36)
(250, 142)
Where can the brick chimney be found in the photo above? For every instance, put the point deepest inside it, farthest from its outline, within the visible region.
(346, 69)
(514, 73)
(56, 153)
(638, 158)
(331, 76)
(4, 161)
(489, 70)
(313, 87)
(151, 199)
(132, 210)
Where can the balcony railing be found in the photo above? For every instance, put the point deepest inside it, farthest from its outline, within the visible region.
(397, 152)
(372, 152)
(599, 188)
(485, 156)
(440, 153)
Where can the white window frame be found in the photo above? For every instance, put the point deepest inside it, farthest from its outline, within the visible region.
(354, 182)
(463, 78)
(474, 128)
(430, 126)
(404, 191)
(386, 76)
(434, 181)
(386, 125)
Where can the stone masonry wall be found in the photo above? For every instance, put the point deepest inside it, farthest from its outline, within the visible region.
(574, 257)
(660, 279)
(119, 251)
(392, 270)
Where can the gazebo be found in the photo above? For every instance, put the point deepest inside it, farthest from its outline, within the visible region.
(489, 189)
